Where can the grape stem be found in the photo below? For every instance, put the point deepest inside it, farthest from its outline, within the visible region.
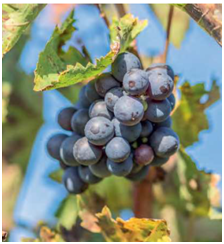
(143, 196)
(170, 16)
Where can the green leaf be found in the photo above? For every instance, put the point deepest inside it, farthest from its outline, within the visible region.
(56, 69)
(110, 189)
(132, 230)
(6, 91)
(196, 187)
(179, 24)
(190, 191)
(57, 175)
(189, 118)
(126, 29)
(67, 212)
(15, 20)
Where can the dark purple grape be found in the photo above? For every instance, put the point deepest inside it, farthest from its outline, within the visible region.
(124, 63)
(165, 123)
(84, 102)
(104, 83)
(112, 96)
(157, 162)
(172, 101)
(118, 149)
(143, 155)
(65, 116)
(79, 120)
(157, 111)
(73, 182)
(100, 168)
(129, 110)
(122, 168)
(66, 150)
(54, 144)
(147, 128)
(86, 153)
(164, 142)
(163, 67)
(130, 133)
(90, 92)
(99, 131)
(136, 82)
(99, 108)
(87, 176)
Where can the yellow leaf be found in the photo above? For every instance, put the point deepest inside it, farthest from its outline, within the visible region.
(132, 230)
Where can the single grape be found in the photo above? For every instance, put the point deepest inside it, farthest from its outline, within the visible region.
(157, 161)
(129, 110)
(157, 111)
(172, 101)
(112, 96)
(165, 123)
(86, 153)
(136, 82)
(87, 176)
(79, 120)
(84, 102)
(120, 169)
(99, 131)
(147, 128)
(160, 84)
(140, 175)
(73, 182)
(90, 92)
(66, 150)
(143, 155)
(54, 144)
(163, 68)
(164, 142)
(99, 108)
(100, 168)
(130, 133)
(124, 63)
(65, 116)
(104, 83)
(118, 149)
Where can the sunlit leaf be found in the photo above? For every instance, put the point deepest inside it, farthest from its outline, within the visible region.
(132, 230)
(15, 20)
(189, 118)
(126, 29)
(56, 69)
(179, 24)
(46, 235)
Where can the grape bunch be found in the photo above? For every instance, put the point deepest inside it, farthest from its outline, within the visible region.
(121, 125)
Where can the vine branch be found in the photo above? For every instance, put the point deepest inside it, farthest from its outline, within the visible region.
(103, 15)
(208, 16)
(120, 9)
(170, 16)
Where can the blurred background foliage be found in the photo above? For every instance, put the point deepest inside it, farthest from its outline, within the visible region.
(186, 197)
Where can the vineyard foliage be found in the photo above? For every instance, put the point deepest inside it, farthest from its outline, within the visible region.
(186, 194)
